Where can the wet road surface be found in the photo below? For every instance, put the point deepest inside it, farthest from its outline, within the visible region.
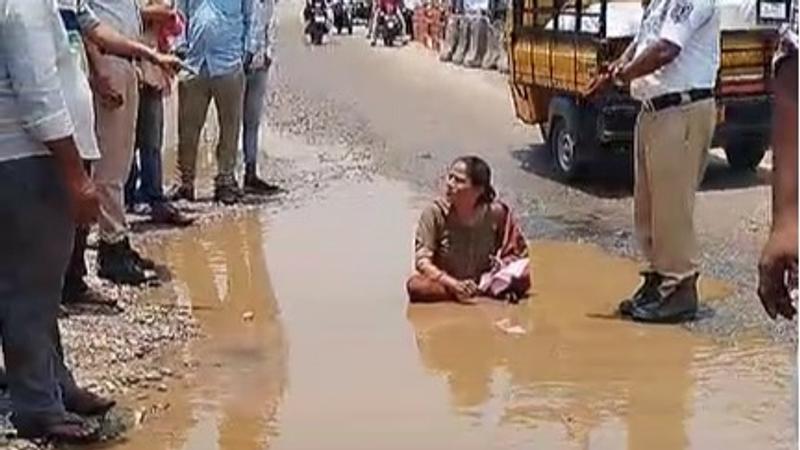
(413, 115)
(311, 345)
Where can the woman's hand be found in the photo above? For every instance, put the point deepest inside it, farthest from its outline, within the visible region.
(464, 290)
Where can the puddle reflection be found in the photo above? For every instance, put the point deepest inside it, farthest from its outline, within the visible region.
(599, 383)
(233, 399)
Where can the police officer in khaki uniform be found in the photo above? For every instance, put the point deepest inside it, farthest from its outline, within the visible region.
(672, 68)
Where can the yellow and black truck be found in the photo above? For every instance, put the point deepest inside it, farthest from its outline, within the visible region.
(557, 47)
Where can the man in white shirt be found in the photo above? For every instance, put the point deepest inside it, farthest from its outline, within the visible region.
(672, 68)
(43, 193)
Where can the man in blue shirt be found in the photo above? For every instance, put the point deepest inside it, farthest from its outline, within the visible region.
(218, 47)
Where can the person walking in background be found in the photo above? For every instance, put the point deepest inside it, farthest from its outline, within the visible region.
(145, 182)
(672, 69)
(44, 192)
(264, 31)
(218, 46)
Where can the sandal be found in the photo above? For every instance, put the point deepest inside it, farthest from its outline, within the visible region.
(67, 429)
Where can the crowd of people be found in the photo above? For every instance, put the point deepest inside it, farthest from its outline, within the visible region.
(82, 87)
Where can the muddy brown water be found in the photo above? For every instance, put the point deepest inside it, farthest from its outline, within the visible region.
(310, 345)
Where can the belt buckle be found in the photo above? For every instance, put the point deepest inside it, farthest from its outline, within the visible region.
(686, 97)
(647, 105)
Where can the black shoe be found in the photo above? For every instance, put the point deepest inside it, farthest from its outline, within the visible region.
(678, 306)
(642, 295)
(183, 191)
(86, 297)
(116, 264)
(141, 261)
(257, 186)
(227, 194)
(167, 214)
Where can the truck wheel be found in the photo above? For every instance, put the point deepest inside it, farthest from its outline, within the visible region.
(563, 140)
(745, 154)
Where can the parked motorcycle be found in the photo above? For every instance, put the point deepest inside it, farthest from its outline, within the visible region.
(343, 16)
(361, 11)
(388, 27)
(317, 26)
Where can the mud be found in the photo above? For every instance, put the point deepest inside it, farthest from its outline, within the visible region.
(310, 345)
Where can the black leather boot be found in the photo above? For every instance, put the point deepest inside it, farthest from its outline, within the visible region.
(678, 306)
(116, 264)
(141, 261)
(644, 294)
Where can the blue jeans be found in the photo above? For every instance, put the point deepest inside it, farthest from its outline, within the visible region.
(254, 95)
(36, 236)
(145, 182)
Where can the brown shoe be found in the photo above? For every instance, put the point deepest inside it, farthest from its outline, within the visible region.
(87, 403)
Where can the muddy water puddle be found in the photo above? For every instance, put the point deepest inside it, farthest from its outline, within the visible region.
(310, 345)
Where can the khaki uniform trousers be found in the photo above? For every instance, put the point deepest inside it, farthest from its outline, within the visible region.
(116, 131)
(194, 97)
(670, 157)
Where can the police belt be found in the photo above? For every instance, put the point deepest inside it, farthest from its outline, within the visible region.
(676, 99)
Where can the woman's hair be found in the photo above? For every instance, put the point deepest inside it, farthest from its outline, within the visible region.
(480, 175)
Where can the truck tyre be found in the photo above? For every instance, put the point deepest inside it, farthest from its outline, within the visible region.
(563, 138)
(745, 154)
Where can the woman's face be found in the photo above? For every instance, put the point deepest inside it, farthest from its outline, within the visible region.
(459, 187)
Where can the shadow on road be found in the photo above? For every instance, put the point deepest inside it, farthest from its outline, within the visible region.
(612, 177)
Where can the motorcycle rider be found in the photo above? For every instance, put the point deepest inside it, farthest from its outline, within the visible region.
(308, 10)
(383, 7)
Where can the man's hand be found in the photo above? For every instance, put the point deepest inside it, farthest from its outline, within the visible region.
(101, 85)
(81, 194)
(170, 64)
(599, 85)
(778, 259)
(83, 201)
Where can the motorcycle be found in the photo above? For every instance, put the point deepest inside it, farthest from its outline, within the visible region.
(388, 26)
(343, 16)
(362, 11)
(317, 26)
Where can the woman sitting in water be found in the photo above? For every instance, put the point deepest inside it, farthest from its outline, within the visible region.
(466, 239)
